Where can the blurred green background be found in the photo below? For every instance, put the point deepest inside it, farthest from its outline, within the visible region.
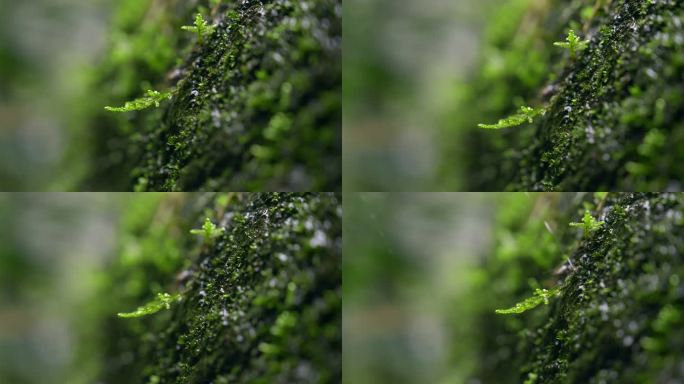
(48, 50)
(420, 76)
(55, 249)
(424, 272)
(403, 64)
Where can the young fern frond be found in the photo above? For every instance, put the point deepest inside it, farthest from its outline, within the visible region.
(572, 43)
(201, 28)
(209, 231)
(151, 98)
(163, 301)
(526, 114)
(540, 296)
(589, 223)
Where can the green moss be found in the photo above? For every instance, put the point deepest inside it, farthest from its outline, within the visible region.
(572, 43)
(261, 303)
(209, 231)
(540, 296)
(589, 224)
(257, 105)
(608, 109)
(163, 301)
(526, 114)
(618, 317)
(151, 98)
(201, 28)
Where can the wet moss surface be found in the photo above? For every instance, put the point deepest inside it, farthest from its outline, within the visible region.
(261, 302)
(257, 104)
(619, 315)
(614, 110)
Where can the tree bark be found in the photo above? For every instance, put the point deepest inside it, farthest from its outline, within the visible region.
(261, 303)
(614, 112)
(257, 105)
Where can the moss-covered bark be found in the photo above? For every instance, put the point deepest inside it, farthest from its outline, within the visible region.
(613, 112)
(257, 106)
(260, 304)
(620, 314)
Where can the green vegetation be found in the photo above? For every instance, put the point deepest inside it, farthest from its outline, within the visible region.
(540, 296)
(256, 102)
(201, 28)
(619, 303)
(261, 305)
(615, 314)
(572, 43)
(151, 98)
(589, 224)
(163, 301)
(611, 120)
(209, 231)
(526, 114)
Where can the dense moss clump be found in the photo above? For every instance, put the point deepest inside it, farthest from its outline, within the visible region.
(256, 98)
(619, 316)
(260, 302)
(614, 109)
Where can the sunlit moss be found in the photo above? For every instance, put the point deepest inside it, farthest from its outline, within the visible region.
(607, 109)
(151, 98)
(526, 114)
(262, 304)
(589, 224)
(163, 301)
(201, 28)
(541, 296)
(257, 103)
(572, 43)
(209, 231)
(618, 302)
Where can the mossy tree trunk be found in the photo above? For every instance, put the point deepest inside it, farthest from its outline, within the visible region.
(257, 105)
(620, 315)
(261, 303)
(613, 112)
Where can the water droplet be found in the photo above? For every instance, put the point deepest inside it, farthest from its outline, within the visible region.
(319, 239)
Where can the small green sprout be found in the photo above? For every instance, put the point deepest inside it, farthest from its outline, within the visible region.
(209, 231)
(201, 28)
(572, 43)
(540, 296)
(588, 224)
(531, 378)
(151, 98)
(526, 114)
(163, 301)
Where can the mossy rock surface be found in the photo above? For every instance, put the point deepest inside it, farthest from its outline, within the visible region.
(614, 111)
(261, 303)
(257, 104)
(620, 315)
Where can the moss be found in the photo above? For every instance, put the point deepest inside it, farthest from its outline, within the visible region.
(209, 231)
(151, 99)
(589, 224)
(260, 304)
(613, 119)
(540, 296)
(258, 102)
(201, 28)
(572, 43)
(618, 317)
(163, 300)
(526, 114)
